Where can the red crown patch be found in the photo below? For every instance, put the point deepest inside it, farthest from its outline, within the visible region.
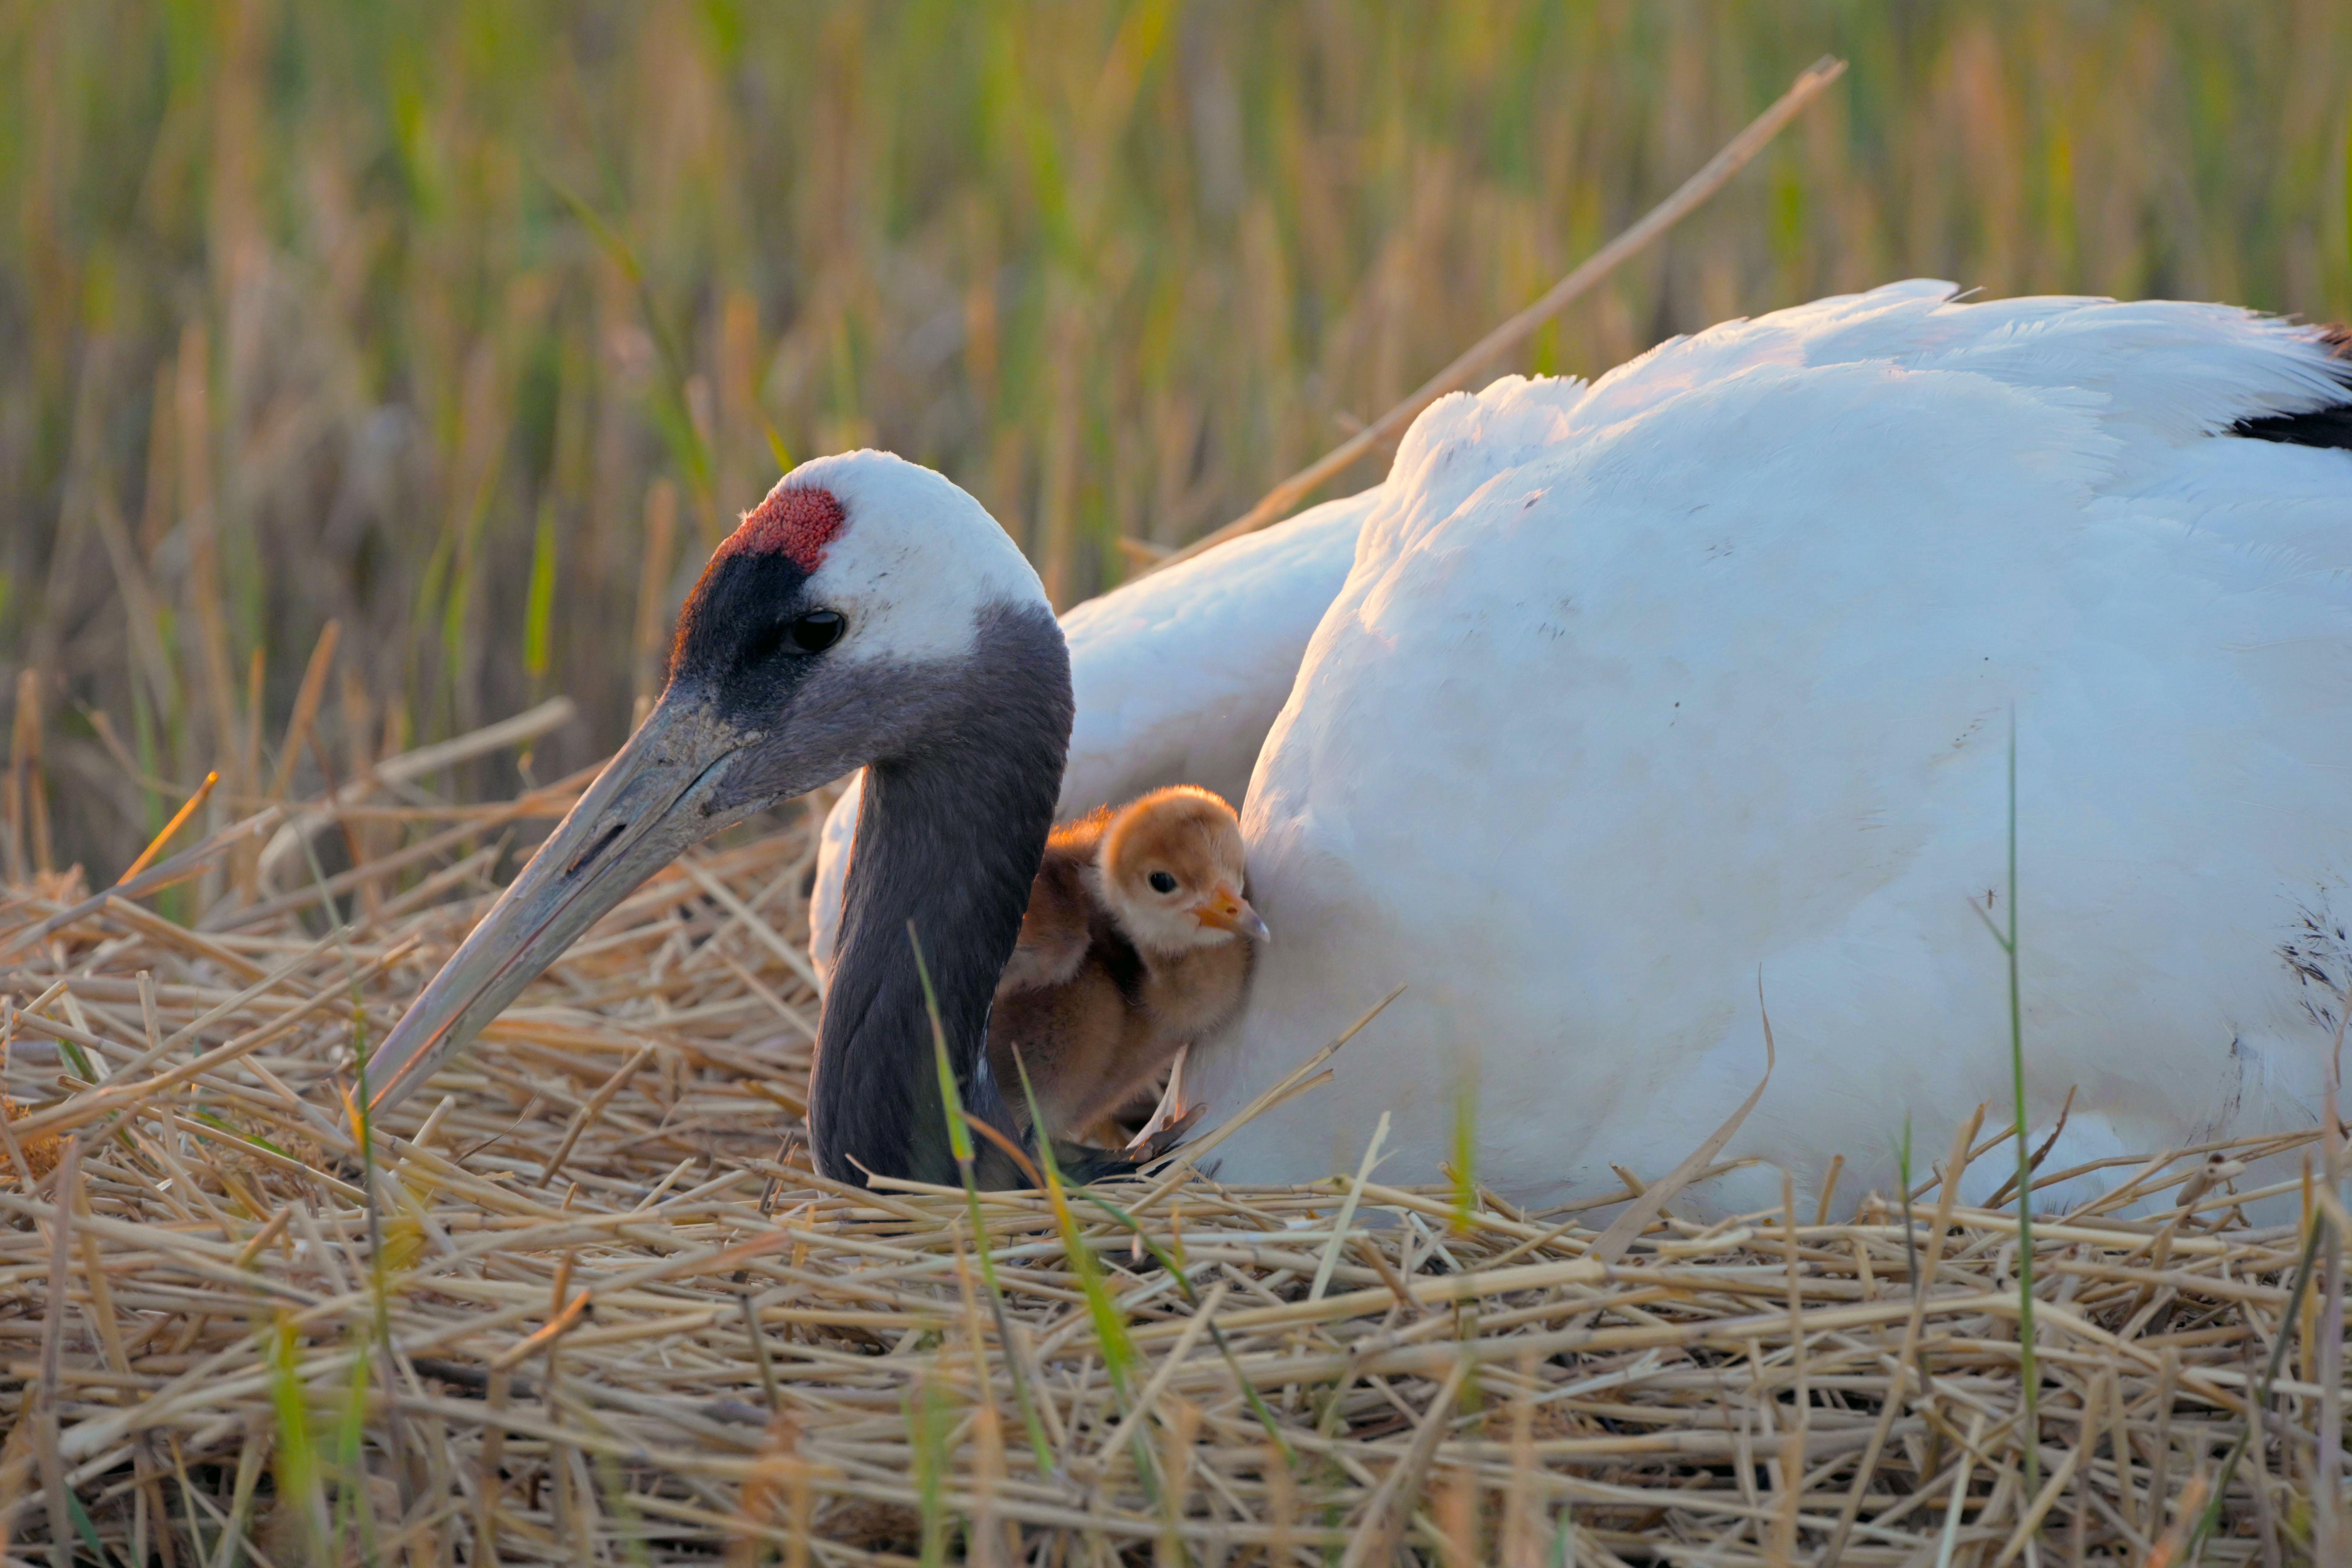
(792, 522)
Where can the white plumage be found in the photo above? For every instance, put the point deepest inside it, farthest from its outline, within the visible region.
(1644, 693)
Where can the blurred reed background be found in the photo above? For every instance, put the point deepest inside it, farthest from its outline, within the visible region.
(469, 325)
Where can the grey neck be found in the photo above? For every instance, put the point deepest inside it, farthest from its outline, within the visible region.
(948, 838)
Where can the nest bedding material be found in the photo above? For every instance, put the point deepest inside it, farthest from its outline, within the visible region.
(580, 1301)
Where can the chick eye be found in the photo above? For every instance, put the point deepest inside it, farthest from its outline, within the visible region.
(1162, 882)
(817, 631)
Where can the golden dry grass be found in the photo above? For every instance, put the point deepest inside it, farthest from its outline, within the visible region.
(520, 1327)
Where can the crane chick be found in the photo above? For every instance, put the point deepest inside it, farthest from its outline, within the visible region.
(1139, 938)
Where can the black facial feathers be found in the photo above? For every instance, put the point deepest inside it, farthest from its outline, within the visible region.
(736, 638)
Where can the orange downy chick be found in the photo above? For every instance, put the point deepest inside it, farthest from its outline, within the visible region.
(1139, 938)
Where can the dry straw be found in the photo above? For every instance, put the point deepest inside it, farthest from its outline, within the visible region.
(572, 1306)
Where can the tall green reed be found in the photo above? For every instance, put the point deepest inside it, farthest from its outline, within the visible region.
(399, 315)
(2027, 1379)
(959, 1143)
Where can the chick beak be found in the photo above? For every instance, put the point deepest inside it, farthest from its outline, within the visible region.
(1226, 910)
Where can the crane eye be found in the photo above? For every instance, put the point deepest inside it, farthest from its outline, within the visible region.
(1162, 882)
(817, 631)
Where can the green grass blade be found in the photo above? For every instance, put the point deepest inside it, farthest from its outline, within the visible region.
(621, 1503)
(87, 1530)
(1465, 1148)
(298, 1454)
(351, 1435)
(82, 1068)
(539, 600)
(960, 1141)
(1910, 1232)
(670, 408)
(927, 1423)
(2261, 1400)
(1118, 1354)
(777, 450)
(2029, 1379)
(1110, 1323)
(1191, 1293)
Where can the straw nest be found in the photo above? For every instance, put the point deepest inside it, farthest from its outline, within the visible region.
(581, 1300)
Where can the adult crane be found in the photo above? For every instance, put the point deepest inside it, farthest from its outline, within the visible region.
(1633, 690)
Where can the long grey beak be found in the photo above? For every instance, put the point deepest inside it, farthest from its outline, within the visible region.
(651, 802)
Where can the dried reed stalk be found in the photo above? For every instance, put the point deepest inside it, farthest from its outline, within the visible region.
(1279, 502)
(634, 1334)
